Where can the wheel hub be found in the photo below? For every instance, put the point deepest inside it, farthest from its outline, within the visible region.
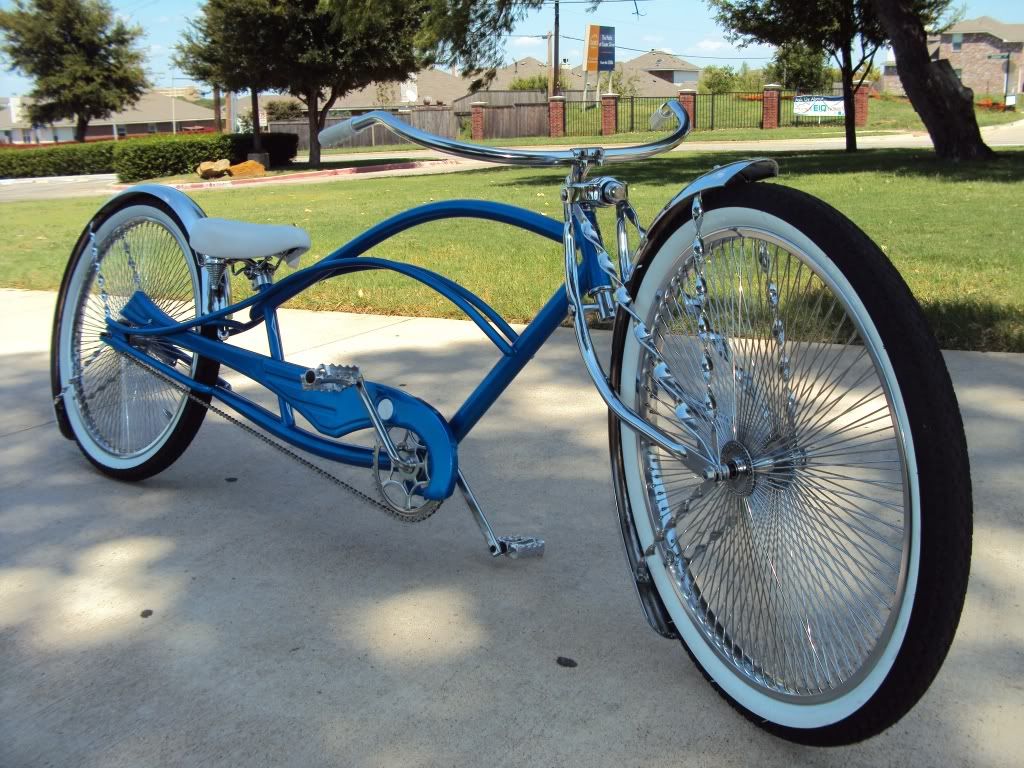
(737, 469)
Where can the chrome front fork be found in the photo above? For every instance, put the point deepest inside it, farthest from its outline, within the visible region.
(580, 197)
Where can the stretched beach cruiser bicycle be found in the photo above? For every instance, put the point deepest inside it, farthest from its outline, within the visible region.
(787, 454)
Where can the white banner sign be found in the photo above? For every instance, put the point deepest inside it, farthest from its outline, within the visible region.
(819, 106)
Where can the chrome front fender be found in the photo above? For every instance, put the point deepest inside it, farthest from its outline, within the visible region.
(723, 176)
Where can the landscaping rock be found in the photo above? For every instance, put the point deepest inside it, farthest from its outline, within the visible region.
(213, 169)
(248, 169)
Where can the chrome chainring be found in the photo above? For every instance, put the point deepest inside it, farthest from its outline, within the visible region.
(401, 488)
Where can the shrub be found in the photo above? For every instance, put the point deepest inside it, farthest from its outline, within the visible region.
(166, 155)
(169, 156)
(282, 147)
(138, 159)
(65, 160)
(282, 109)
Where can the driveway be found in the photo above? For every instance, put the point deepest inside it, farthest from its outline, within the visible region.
(294, 626)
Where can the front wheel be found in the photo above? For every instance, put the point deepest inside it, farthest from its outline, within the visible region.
(818, 579)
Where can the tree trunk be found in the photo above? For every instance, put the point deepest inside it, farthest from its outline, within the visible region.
(81, 123)
(257, 141)
(945, 106)
(218, 126)
(313, 118)
(849, 102)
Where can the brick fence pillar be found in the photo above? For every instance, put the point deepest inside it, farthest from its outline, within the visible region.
(477, 112)
(556, 116)
(688, 100)
(609, 114)
(770, 106)
(860, 106)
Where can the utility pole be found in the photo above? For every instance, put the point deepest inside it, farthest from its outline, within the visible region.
(551, 72)
(174, 124)
(557, 63)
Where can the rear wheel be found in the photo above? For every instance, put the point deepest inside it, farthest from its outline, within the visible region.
(819, 579)
(127, 421)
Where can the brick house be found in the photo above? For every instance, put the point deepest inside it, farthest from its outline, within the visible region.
(967, 46)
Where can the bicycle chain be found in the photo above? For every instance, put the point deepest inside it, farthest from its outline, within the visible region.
(323, 473)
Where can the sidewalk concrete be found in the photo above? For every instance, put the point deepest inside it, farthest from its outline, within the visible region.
(294, 626)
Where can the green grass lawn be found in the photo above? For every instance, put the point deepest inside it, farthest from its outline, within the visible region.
(955, 232)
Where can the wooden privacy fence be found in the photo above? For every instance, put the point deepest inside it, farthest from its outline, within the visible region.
(515, 120)
(499, 99)
(438, 120)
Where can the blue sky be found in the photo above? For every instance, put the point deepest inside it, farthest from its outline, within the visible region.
(684, 27)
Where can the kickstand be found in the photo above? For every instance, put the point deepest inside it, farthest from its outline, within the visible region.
(510, 546)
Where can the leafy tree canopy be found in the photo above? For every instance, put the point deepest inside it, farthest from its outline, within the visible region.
(230, 44)
(83, 62)
(798, 66)
(468, 34)
(717, 79)
(283, 110)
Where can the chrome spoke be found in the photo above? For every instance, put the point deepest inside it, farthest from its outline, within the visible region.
(125, 408)
(791, 565)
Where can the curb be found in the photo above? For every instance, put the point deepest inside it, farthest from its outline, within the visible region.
(300, 176)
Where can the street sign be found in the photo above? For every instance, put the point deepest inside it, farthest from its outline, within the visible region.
(600, 48)
(998, 56)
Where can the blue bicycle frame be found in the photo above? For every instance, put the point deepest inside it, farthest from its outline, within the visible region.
(336, 414)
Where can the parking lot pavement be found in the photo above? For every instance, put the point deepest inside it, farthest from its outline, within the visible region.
(294, 626)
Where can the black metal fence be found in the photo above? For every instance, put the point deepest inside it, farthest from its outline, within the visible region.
(712, 111)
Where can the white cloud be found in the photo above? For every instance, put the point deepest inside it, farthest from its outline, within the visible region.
(527, 42)
(712, 45)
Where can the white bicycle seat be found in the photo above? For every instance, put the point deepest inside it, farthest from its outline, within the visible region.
(234, 240)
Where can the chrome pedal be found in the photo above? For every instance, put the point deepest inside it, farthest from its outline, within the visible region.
(331, 378)
(521, 546)
(512, 547)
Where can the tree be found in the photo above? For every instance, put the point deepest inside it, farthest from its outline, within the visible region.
(537, 82)
(328, 50)
(465, 33)
(945, 106)
(229, 45)
(625, 84)
(800, 67)
(748, 79)
(832, 26)
(717, 79)
(283, 110)
(83, 62)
